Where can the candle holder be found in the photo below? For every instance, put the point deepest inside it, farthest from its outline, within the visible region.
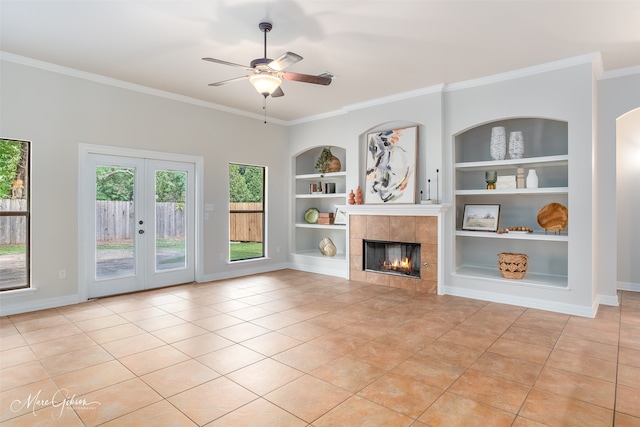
(490, 178)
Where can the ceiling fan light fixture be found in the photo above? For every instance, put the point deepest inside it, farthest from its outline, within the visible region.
(265, 84)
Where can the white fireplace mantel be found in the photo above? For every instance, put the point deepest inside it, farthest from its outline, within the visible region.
(409, 210)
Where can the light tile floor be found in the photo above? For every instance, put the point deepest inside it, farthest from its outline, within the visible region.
(297, 349)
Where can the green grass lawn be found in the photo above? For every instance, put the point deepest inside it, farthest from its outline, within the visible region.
(12, 249)
(245, 250)
(238, 250)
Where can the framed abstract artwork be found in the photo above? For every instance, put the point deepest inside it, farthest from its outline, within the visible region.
(391, 166)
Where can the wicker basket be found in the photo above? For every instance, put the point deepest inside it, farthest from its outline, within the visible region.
(512, 265)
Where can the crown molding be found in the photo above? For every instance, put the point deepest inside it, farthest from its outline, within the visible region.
(22, 60)
(524, 72)
(621, 72)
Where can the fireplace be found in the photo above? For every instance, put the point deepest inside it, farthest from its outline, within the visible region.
(395, 258)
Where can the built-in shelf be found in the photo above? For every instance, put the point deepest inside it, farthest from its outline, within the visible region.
(323, 226)
(531, 162)
(530, 279)
(527, 191)
(340, 256)
(318, 176)
(321, 196)
(550, 237)
(306, 237)
(475, 252)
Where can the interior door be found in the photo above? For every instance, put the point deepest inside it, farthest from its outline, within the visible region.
(144, 227)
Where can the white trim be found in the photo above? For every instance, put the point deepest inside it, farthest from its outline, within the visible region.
(198, 161)
(43, 304)
(576, 310)
(17, 293)
(620, 72)
(395, 97)
(17, 59)
(243, 272)
(523, 72)
(611, 300)
(628, 286)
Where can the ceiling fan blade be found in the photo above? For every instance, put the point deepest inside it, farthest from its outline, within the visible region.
(237, 79)
(285, 60)
(306, 78)
(219, 61)
(278, 92)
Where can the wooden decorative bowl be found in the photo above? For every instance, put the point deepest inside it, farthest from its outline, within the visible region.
(553, 217)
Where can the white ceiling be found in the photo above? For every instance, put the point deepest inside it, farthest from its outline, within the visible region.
(375, 48)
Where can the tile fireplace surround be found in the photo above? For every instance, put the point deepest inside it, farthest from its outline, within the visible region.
(407, 223)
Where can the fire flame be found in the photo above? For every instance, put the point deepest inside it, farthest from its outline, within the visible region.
(397, 264)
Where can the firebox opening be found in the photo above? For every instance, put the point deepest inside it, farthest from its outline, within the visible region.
(396, 258)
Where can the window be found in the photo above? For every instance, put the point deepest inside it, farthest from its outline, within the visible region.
(14, 214)
(246, 212)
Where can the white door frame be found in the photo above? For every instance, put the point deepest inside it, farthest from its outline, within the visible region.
(85, 219)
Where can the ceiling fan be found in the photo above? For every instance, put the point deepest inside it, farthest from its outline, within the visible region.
(267, 74)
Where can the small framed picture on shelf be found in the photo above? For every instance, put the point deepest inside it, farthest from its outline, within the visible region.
(340, 217)
(481, 217)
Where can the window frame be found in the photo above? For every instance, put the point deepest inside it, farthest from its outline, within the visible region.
(26, 214)
(262, 211)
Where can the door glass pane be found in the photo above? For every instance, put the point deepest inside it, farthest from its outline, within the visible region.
(170, 242)
(14, 214)
(115, 222)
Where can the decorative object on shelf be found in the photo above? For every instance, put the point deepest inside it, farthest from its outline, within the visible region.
(553, 217)
(311, 216)
(516, 145)
(520, 179)
(516, 230)
(329, 187)
(340, 217)
(327, 248)
(358, 196)
(325, 218)
(490, 177)
(506, 182)
(391, 166)
(532, 179)
(327, 162)
(481, 217)
(352, 198)
(512, 265)
(498, 148)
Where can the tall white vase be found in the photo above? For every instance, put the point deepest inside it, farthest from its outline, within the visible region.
(532, 179)
(516, 145)
(498, 146)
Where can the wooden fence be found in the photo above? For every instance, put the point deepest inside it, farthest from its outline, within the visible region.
(115, 221)
(245, 226)
(13, 229)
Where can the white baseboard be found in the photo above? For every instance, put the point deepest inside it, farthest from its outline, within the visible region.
(628, 286)
(611, 300)
(576, 310)
(337, 272)
(255, 269)
(9, 307)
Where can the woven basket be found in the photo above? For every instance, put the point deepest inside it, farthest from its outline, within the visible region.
(512, 265)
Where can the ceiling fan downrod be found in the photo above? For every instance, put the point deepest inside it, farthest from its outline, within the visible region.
(265, 27)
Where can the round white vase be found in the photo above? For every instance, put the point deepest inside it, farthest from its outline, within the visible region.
(498, 146)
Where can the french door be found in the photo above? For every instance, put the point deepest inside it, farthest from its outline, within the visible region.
(142, 232)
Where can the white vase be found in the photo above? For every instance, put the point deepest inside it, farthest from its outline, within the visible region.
(532, 179)
(498, 146)
(516, 145)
